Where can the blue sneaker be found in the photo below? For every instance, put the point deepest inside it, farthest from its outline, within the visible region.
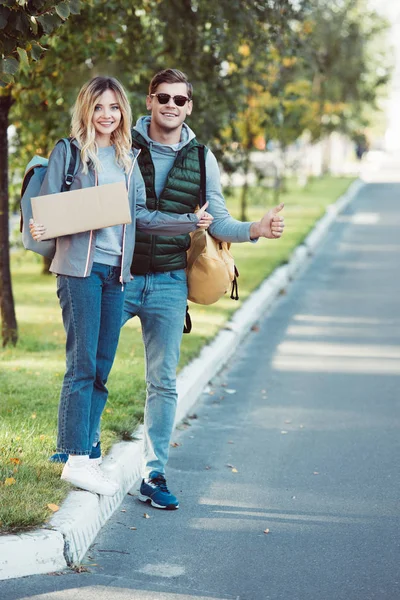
(60, 457)
(154, 489)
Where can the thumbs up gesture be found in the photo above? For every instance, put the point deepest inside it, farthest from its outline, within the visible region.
(270, 226)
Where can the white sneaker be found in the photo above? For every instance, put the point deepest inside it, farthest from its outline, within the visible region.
(89, 477)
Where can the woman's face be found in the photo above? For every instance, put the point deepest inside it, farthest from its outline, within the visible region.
(106, 117)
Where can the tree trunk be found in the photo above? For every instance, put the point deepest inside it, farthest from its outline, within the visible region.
(9, 329)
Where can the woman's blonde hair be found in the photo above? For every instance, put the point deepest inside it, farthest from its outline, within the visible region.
(83, 130)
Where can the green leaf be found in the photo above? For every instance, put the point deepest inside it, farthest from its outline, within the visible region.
(75, 7)
(49, 22)
(63, 10)
(5, 79)
(9, 65)
(4, 14)
(21, 23)
(23, 57)
(36, 51)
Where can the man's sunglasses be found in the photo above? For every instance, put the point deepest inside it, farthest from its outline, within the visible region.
(165, 98)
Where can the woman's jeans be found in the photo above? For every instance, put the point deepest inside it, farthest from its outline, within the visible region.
(91, 310)
(159, 300)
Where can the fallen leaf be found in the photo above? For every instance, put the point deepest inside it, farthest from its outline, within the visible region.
(53, 507)
(266, 530)
(108, 410)
(42, 437)
(255, 328)
(146, 516)
(15, 461)
(33, 416)
(230, 391)
(9, 481)
(230, 466)
(235, 470)
(283, 431)
(193, 416)
(174, 444)
(123, 510)
(133, 528)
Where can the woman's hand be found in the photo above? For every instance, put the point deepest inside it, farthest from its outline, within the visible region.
(205, 219)
(37, 230)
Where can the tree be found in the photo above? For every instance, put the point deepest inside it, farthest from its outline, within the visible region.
(24, 27)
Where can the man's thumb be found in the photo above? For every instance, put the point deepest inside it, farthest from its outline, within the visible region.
(278, 208)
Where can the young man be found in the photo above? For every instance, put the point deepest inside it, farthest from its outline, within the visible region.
(169, 162)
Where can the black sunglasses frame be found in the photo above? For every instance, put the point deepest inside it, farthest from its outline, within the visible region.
(168, 97)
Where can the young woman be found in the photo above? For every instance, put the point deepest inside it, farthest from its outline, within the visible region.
(93, 266)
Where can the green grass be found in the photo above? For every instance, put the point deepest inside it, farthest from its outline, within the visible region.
(31, 374)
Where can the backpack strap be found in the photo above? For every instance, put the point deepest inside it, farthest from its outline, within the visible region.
(71, 163)
(187, 328)
(202, 162)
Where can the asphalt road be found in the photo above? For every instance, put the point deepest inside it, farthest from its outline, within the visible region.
(288, 476)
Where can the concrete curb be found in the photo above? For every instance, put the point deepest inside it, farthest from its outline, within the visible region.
(66, 538)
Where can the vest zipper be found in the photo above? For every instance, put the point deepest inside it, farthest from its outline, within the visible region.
(157, 206)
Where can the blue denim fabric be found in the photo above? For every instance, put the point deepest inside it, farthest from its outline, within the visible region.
(91, 310)
(159, 300)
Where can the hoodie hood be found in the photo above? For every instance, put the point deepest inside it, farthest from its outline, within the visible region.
(142, 127)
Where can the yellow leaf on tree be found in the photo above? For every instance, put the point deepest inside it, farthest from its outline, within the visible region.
(9, 481)
(53, 507)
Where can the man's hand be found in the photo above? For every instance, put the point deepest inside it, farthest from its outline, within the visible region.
(205, 219)
(270, 226)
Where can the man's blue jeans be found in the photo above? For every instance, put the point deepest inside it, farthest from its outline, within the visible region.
(91, 310)
(159, 300)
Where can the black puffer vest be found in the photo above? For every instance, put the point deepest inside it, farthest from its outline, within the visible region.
(155, 253)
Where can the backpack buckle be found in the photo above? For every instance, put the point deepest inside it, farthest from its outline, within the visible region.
(69, 179)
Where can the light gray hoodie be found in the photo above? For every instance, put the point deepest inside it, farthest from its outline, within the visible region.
(224, 227)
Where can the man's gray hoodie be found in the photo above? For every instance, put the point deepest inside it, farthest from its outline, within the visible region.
(224, 227)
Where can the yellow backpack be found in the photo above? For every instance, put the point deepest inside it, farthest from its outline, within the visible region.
(211, 269)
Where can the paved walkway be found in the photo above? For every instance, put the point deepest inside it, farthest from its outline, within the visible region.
(298, 436)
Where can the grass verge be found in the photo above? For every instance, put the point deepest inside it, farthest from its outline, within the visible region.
(31, 374)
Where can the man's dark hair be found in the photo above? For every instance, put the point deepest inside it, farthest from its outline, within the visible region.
(170, 76)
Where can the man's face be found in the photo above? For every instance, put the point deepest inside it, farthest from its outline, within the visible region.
(169, 116)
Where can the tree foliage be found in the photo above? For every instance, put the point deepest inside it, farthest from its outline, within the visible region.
(23, 23)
